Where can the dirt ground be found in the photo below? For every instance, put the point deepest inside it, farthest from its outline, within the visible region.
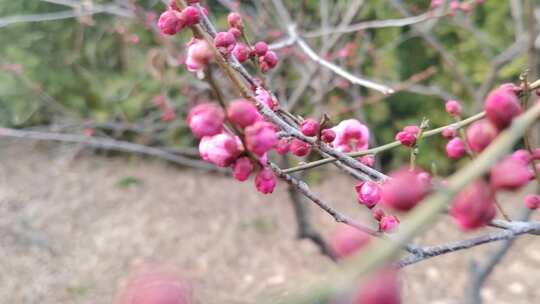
(73, 226)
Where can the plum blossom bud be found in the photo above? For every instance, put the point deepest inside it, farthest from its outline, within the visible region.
(382, 287)
(347, 240)
(404, 190)
(225, 42)
(449, 133)
(242, 113)
(454, 6)
(388, 224)
(261, 137)
(191, 16)
(235, 20)
(198, 55)
(206, 120)
(235, 32)
(455, 148)
(170, 22)
(268, 61)
(502, 105)
(351, 135)
(264, 97)
(261, 48)
(241, 52)
(310, 127)
(368, 160)
(405, 138)
(299, 147)
(474, 206)
(522, 156)
(532, 201)
(328, 135)
(282, 146)
(265, 181)
(242, 168)
(368, 193)
(510, 174)
(453, 107)
(221, 149)
(480, 134)
(378, 214)
(155, 284)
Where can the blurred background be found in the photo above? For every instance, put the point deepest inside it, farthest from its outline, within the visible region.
(75, 218)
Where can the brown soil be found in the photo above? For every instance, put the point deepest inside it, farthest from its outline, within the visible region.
(73, 226)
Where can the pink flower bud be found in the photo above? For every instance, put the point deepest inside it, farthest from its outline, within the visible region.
(368, 193)
(261, 137)
(268, 61)
(299, 147)
(453, 107)
(449, 133)
(502, 105)
(328, 135)
(436, 3)
(405, 138)
(510, 174)
(236, 33)
(282, 146)
(242, 168)
(347, 240)
(155, 284)
(191, 16)
(235, 20)
(261, 48)
(206, 120)
(532, 201)
(378, 214)
(310, 127)
(522, 156)
(351, 135)
(242, 113)
(455, 148)
(199, 54)
(241, 52)
(474, 206)
(221, 149)
(404, 190)
(388, 224)
(170, 23)
(265, 181)
(454, 6)
(382, 287)
(368, 160)
(480, 134)
(225, 42)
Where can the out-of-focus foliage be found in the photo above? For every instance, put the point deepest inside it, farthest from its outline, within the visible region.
(104, 68)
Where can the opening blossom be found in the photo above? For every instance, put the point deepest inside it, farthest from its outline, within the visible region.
(206, 120)
(407, 137)
(351, 135)
(368, 193)
(261, 137)
(170, 22)
(221, 149)
(199, 54)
